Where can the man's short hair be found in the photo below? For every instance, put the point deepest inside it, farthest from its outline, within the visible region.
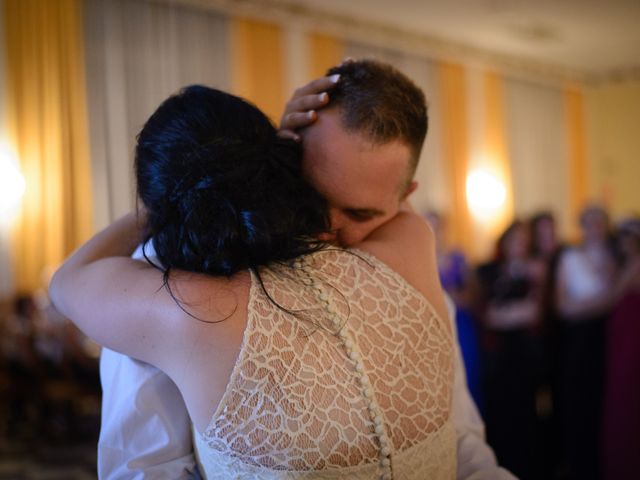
(382, 103)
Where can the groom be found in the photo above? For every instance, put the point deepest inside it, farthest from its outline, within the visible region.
(146, 430)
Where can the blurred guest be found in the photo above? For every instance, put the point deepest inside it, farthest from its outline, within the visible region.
(22, 365)
(71, 385)
(546, 247)
(511, 290)
(544, 239)
(584, 293)
(455, 276)
(546, 250)
(622, 394)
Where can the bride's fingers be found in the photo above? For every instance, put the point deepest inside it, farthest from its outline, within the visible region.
(296, 120)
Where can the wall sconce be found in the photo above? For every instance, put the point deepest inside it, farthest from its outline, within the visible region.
(486, 194)
(12, 184)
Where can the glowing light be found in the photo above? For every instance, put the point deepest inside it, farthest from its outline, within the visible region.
(486, 194)
(12, 183)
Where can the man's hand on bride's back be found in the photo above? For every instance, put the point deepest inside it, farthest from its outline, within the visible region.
(300, 110)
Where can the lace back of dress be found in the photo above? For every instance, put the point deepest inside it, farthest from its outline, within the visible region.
(354, 356)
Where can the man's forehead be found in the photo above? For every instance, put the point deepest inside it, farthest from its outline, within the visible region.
(332, 150)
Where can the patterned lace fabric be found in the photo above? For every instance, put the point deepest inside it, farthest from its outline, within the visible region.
(294, 406)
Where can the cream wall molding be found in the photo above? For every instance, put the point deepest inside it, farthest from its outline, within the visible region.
(287, 13)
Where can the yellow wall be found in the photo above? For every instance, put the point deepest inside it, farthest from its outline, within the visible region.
(613, 120)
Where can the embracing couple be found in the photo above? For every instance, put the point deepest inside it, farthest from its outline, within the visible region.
(282, 302)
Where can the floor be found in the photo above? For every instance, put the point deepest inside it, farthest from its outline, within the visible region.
(49, 440)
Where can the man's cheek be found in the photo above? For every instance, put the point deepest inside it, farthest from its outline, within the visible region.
(350, 236)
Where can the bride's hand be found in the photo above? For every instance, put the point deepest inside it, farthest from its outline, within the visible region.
(300, 111)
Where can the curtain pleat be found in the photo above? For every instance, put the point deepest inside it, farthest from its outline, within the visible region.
(325, 52)
(258, 65)
(538, 150)
(47, 123)
(577, 150)
(139, 53)
(496, 148)
(455, 145)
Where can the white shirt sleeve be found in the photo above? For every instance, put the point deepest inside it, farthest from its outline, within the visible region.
(146, 430)
(476, 460)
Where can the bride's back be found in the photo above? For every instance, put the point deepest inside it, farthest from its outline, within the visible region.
(340, 358)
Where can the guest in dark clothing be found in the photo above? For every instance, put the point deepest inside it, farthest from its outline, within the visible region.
(621, 427)
(511, 297)
(546, 247)
(585, 290)
(544, 238)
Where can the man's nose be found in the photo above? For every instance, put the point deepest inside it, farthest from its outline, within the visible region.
(336, 222)
(337, 219)
(327, 237)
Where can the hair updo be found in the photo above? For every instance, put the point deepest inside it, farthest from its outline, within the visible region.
(222, 191)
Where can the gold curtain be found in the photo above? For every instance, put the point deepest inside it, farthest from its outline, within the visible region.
(47, 122)
(496, 150)
(324, 52)
(258, 65)
(455, 144)
(577, 151)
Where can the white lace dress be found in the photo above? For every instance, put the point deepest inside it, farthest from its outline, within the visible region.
(354, 381)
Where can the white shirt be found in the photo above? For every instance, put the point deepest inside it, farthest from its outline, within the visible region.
(476, 460)
(146, 430)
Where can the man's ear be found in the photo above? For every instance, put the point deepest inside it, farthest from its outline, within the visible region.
(409, 190)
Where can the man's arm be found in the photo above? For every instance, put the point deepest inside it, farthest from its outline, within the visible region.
(146, 430)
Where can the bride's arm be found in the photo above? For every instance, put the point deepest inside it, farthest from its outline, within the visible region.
(119, 239)
(116, 301)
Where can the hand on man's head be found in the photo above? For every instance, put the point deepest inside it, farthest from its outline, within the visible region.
(300, 111)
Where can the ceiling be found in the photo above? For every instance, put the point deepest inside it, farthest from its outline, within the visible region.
(595, 37)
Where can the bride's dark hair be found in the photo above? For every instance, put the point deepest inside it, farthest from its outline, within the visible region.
(222, 191)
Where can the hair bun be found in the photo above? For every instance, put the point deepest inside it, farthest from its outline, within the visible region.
(223, 192)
